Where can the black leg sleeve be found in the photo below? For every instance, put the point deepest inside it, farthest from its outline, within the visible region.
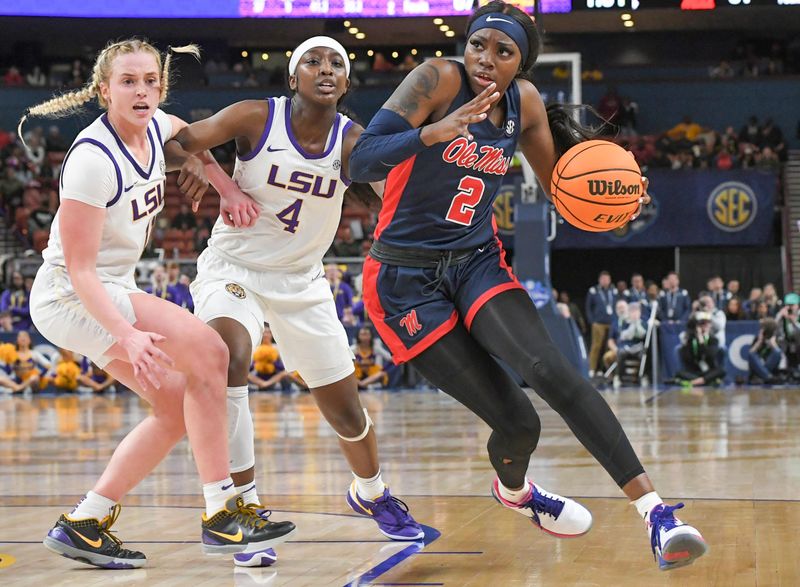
(458, 365)
(509, 327)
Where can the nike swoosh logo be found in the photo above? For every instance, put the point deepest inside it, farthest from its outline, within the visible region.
(127, 189)
(92, 543)
(271, 150)
(490, 19)
(226, 487)
(232, 537)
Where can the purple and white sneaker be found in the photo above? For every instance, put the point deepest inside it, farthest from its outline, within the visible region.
(260, 558)
(674, 543)
(559, 516)
(90, 541)
(390, 513)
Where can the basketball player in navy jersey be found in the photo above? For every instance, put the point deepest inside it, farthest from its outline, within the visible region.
(438, 288)
(293, 160)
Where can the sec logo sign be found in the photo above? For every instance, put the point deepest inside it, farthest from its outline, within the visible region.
(732, 206)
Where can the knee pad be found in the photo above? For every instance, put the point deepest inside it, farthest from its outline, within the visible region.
(363, 434)
(240, 430)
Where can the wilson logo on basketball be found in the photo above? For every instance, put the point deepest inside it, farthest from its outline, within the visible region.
(411, 323)
(600, 187)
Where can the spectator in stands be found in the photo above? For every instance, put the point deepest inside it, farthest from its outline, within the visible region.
(772, 137)
(36, 77)
(408, 63)
(718, 319)
(15, 301)
(267, 371)
(381, 64)
(723, 70)
(345, 245)
(628, 340)
(610, 105)
(201, 239)
(41, 218)
(6, 322)
(622, 287)
(715, 287)
(734, 311)
(760, 312)
(686, 131)
(749, 306)
(674, 304)
(764, 355)
(626, 119)
(159, 286)
(618, 323)
(342, 294)
(13, 77)
(788, 334)
(29, 363)
(54, 141)
(371, 359)
(771, 298)
(767, 160)
(653, 294)
(750, 132)
(734, 288)
(184, 219)
(36, 152)
(699, 354)
(11, 190)
(180, 284)
(636, 292)
(600, 302)
(574, 311)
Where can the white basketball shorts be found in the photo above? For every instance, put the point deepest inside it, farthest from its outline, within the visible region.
(62, 319)
(298, 307)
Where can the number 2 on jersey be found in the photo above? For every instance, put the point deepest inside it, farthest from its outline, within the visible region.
(462, 208)
(290, 214)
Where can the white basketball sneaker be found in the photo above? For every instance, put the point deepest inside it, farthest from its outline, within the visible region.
(558, 516)
(674, 543)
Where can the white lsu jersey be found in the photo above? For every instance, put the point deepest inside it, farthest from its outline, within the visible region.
(300, 195)
(100, 171)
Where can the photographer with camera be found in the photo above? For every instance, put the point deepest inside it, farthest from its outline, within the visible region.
(788, 333)
(700, 356)
(764, 356)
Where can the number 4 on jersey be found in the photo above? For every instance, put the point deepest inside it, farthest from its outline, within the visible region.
(462, 208)
(289, 216)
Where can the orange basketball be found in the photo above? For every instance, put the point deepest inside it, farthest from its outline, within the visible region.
(596, 186)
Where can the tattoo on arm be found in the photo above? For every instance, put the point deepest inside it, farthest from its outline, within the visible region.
(419, 85)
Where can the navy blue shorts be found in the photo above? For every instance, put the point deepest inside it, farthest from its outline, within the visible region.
(409, 321)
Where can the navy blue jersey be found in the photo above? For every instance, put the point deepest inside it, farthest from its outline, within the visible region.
(442, 197)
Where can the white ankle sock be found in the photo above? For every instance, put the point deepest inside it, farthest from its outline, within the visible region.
(646, 503)
(248, 493)
(512, 495)
(371, 488)
(216, 494)
(93, 505)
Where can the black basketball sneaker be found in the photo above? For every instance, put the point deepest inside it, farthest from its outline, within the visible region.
(90, 541)
(239, 528)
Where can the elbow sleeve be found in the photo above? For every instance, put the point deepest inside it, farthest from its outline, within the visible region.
(386, 142)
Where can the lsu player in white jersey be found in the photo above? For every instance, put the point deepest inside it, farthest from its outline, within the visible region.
(292, 159)
(85, 299)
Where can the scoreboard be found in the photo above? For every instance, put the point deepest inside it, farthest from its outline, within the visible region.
(337, 8)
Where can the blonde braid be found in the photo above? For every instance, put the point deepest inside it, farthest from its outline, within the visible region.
(59, 106)
(192, 49)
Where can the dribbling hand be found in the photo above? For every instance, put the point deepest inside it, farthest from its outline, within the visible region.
(147, 359)
(238, 209)
(192, 181)
(644, 200)
(456, 124)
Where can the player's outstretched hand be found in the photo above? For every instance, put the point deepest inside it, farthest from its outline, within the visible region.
(456, 124)
(238, 209)
(192, 181)
(644, 200)
(147, 359)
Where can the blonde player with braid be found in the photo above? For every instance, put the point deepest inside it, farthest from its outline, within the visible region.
(85, 299)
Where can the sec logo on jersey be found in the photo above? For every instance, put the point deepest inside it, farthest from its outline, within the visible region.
(236, 290)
